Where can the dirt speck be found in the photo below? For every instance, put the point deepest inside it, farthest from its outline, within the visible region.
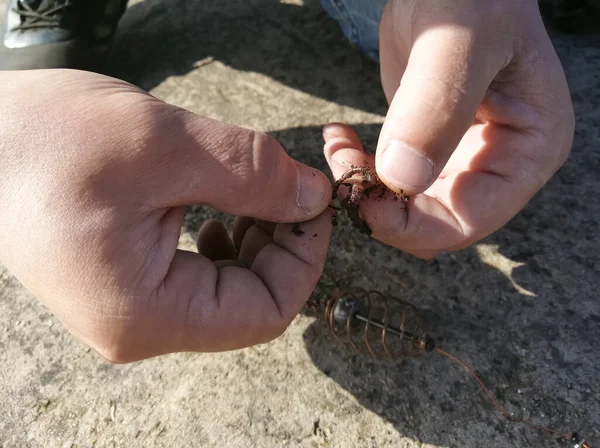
(296, 230)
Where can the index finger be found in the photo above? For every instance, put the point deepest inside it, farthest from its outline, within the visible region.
(422, 227)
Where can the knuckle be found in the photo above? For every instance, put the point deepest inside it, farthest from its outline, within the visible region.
(428, 255)
(236, 155)
(497, 9)
(277, 328)
(115, 353)
(271, 327)
(266, 157)
(280, 320)
(252, 158)
(569, 130)
(496, 14)
(546, 154)
(113, 346)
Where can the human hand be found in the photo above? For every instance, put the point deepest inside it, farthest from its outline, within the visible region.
(480, 118)
(94, 178)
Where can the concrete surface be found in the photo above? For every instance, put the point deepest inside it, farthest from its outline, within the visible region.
(522, 306)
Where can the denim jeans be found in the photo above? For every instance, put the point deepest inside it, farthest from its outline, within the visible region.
(359, 20)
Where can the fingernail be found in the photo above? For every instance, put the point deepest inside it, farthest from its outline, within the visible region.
(312, 191)
(405, 168)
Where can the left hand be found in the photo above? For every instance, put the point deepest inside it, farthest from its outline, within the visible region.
(94, 180)
(480, 118)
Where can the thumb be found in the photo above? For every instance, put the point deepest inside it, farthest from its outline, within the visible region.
(238, 171)
(444, 82)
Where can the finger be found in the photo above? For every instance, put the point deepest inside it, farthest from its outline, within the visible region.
(342, 141)
(266, 226)
(234, 170)
(448, 73)
(254, 241)
(241, 224)
(505, 168)
(200, 307)
(342, 138)
(213, 241)
(341, 132)
(226, 263)
(486, 189)
(423, 227)
(425, 254)
(241, 227)
(305, 246)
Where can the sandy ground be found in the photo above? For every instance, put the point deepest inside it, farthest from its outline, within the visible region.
(521, 306)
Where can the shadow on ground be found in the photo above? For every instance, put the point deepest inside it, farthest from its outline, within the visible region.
(522, 307)
(300, 46)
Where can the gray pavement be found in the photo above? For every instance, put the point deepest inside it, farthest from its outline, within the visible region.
(521, 306)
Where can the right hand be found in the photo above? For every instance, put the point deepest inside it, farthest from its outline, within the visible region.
(480, 119)
(94, 180)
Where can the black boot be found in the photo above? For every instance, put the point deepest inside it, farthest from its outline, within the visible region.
(39, 34)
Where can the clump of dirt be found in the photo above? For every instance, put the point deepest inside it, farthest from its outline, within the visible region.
(296, 230)
(363, 182)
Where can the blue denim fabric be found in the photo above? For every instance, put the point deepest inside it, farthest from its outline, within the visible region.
(359, 20)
